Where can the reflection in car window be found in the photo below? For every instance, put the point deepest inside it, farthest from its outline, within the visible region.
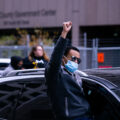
(100, 100)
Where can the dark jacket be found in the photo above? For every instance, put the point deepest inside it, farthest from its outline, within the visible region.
(66, 95)
(40, 63)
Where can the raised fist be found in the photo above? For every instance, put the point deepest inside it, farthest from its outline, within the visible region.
(67, 26)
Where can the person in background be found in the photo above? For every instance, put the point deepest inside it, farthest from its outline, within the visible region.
(64, 87)
(15, 64)
(36, 59)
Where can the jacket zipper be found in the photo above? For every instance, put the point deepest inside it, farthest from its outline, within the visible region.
(66, 107)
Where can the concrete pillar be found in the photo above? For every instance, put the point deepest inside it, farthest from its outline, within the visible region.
(75, 21)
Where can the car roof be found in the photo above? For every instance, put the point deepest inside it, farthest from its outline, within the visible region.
(39, 71)
(19, 78)
(110, 74)
(104, 74)
(5, 60)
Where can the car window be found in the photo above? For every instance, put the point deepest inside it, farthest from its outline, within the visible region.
(102, 103)
(3, 65)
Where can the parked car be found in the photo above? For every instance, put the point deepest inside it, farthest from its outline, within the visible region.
(4, 62)
(23, 94)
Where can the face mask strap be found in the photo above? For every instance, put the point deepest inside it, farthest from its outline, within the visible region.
(65, 57)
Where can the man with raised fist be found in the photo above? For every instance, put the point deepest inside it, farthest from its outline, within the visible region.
(64, 88)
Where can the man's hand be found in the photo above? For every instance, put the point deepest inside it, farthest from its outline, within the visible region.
(66, 28)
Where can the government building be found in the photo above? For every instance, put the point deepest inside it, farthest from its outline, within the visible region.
(97, 18)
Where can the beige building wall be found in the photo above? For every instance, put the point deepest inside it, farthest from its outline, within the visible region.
(99, 12)
(51, 13)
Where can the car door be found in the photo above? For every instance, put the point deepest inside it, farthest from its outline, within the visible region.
(24, 98)
(105, 104)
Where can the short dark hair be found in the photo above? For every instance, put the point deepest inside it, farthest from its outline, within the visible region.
(70, 48)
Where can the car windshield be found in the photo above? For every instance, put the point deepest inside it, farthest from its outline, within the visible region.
(3, 65)
(4, 62)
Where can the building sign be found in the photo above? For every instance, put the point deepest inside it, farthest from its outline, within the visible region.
(100, 57)
(17, 14)
(28, 18)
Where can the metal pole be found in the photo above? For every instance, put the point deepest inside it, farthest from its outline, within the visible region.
(9, 52)
(96, 52)
(93, 53)
(85, 52)
(85, 39)
(28, 43)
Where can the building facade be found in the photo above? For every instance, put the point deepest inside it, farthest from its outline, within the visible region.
(98, 18)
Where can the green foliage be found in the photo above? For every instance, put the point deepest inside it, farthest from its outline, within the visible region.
(39, 36)
(7, 40)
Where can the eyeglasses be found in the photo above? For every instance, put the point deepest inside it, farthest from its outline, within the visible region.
(73, 58)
